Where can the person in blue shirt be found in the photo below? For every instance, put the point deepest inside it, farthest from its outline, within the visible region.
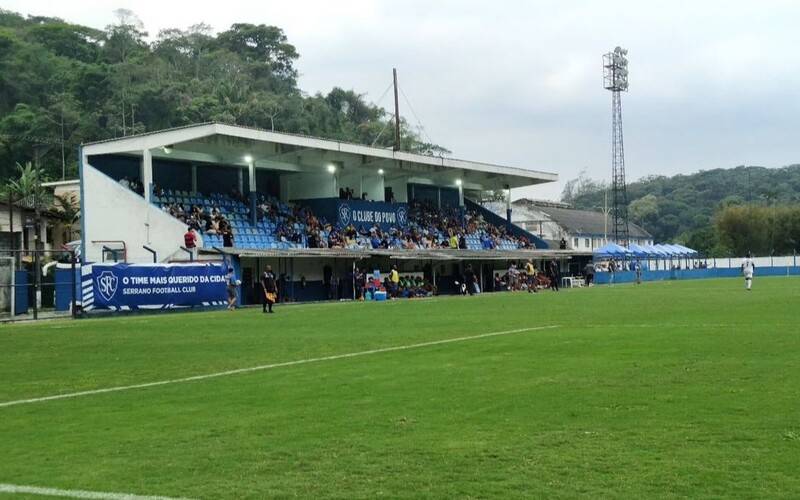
(232, 284)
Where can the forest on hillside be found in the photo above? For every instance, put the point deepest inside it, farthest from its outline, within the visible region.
(62, 84)
(719, 212)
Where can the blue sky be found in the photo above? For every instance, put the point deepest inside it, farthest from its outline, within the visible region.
(713, 83)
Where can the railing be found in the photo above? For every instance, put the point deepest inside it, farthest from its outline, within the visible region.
(155, 254)
(113, 250)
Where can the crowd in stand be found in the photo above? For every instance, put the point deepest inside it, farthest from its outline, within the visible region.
(199, 220)
(429, 227)
(132, 184)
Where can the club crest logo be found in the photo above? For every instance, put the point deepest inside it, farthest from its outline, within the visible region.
(402, 216)
(107, 285)
(345, 214)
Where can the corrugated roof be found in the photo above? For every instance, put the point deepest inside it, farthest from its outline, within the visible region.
(586, 221)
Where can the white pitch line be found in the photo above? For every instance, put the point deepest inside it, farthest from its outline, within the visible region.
(270, 366)
(55, 492)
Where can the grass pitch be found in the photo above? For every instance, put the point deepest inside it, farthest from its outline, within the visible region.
(676, 389)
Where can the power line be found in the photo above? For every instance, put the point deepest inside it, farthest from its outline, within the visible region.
(414, 113)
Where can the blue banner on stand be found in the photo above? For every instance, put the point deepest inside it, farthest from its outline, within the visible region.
(369, 213)
(126, 287)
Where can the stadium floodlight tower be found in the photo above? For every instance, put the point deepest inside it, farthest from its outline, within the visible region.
(615, 79)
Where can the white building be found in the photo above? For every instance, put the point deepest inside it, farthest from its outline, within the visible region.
(582, 230)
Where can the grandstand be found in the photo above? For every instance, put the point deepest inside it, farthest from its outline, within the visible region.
(297, 203)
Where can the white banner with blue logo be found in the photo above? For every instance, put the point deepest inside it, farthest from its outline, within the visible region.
(369, 213)
(130, 287)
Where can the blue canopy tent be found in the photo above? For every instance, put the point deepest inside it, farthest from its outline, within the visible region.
(611, 250)
(687, 250)
(639, 251)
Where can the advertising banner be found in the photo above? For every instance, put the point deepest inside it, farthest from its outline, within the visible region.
(125, 287)
(369, 213)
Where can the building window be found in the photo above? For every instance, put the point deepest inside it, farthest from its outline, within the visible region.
(586, 243)
(574, 242)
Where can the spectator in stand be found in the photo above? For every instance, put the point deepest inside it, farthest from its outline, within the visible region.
(462, 242)
(190, 242)
(227, 236)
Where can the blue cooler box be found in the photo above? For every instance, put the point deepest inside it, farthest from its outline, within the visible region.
(380, 296)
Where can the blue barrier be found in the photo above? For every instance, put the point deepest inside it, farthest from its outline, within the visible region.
(63, 286)
(20, 292)
(691, 274)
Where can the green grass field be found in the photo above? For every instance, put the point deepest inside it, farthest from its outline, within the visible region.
(666, 390)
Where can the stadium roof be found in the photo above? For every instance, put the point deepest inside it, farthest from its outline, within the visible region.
(224, 144)
(580, 222)
(432, 254)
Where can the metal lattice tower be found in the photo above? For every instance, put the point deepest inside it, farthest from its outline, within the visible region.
(615, 79)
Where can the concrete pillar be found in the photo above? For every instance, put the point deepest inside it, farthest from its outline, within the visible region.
(241, 180)
(194, 178)
(508, 204)
(460, 194)
(251, 177)
(147, 174)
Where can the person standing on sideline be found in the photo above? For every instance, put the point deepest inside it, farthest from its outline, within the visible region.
(555, 275)
(190, 241)
(748, 268)
(394, 278)
(270, 289)
(588, 270)
(469, 279)
(530, 270)
(232, 284)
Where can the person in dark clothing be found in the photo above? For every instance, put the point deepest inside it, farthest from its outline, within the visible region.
(469, 279)
(554, 274)
(361, 283)
(588, 270)
(227, 237)
(327, 276)
(269, 289)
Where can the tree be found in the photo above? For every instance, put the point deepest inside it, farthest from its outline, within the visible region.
(580, 187)
(27, 188)
(68, 209)
(61, 80)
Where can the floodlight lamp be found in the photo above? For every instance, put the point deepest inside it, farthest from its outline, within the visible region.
(248, 159)
(167, 149)
(380, 171)
(332, 168)
(458, 182)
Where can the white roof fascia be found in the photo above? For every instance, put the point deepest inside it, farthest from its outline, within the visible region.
(149, 141)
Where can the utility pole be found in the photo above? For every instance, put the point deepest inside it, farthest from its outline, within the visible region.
(37, 271)
(605, 210)
(396, 113)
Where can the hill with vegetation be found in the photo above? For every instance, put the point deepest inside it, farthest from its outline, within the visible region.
(62, 84)
(720, 211)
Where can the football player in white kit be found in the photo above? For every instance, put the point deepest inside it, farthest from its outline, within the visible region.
(748, 266)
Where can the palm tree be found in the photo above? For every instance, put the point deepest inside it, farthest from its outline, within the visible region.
(27, 189)
(68, 209)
